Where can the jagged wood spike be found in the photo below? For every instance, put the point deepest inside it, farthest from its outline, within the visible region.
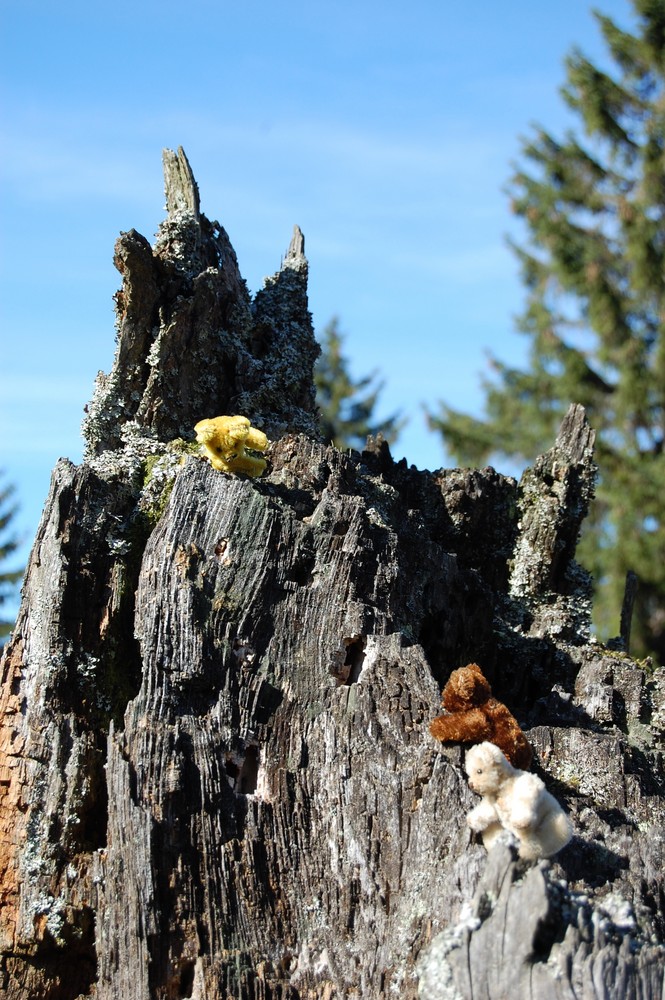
(180, 187)
(554, 497)
(627, 607)
(297, 245)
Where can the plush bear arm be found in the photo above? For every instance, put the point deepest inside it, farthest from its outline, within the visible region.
(506, 733)
(524, 802)
(256, 440)
(521, 819)
(491, 834)
(253, 466)
(469, 726)
(482, 816)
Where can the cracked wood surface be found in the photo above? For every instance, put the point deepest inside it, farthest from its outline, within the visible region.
(216, 775)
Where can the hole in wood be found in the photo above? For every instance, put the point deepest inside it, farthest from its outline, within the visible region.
(244, 652)
(242, 770)
(187, 980)
(249, 771)
(302, 570)
(432, 639)
(232, 771)
(348, 663)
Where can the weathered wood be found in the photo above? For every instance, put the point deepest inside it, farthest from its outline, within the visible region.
(525, 935)
(216, 775)
(191, 342)
(182, 192)
(627, 606)
(554, 498)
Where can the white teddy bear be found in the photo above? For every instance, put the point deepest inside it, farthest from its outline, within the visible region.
(516, 801)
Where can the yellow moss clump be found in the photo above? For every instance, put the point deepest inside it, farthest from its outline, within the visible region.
(223, 440)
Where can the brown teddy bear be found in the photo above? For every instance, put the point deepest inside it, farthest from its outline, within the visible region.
(474, 716)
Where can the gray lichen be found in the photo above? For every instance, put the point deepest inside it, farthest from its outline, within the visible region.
(192, 344)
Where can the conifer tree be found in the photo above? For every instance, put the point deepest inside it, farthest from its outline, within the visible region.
(593, 206)
(346, 407)
(9, 543)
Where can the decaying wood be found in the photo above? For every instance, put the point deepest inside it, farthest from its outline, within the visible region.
(627, 607)
(216, 775)
(182, 192)
(526, 935)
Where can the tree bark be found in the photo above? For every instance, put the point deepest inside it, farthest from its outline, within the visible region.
(216, 774)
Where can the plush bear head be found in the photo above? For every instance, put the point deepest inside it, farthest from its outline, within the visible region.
(487, 769)
(466, 687)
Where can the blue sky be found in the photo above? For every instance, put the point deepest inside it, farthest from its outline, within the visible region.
(386, 130)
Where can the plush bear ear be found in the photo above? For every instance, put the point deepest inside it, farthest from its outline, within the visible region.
(466, 686)
(493, 752)
(454, 697)
(478, 686)
(481, 756)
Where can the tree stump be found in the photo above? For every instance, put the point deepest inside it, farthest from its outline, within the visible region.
(216, 775)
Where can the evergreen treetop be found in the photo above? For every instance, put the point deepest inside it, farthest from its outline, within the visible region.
(346, 407)
(593, 265)
(9, 543)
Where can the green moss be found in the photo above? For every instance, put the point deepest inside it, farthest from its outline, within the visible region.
(648, 665)
(158, 475)
(148, 469)
(155, 510)
(181, 447)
